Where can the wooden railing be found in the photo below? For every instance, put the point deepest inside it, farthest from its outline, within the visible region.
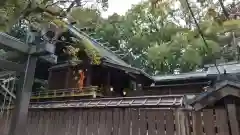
(71, 92)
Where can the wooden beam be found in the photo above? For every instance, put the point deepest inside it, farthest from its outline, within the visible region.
(9, 42)
(12, 66)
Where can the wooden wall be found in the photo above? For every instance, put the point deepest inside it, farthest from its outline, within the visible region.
(57, 79)
(64, 78)
(170, 90)
(126, 121)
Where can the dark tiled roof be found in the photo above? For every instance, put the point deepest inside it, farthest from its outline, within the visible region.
(212, 94)
(105, 53)
(183, 76)
(231, 68)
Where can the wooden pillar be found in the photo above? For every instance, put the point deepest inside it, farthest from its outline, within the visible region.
(108, 79)
(89, 76)
(87, 69)
(232, 116)
(67, 78)
(108, 85)
(23, 96)
(49, 79)
(182, 122)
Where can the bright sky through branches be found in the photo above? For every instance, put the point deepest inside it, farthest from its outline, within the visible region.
(119, 7)
(122, 6)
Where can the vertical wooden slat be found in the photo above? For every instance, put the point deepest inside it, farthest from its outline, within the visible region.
(57, 122)
(39, 122)
(28, 122)
(40, 125)
(182, 122)
(102, 123)
(115, 121)
(221, 121)
(232, 116)
(1, 124)
(143, 122)
(121, 121)
(65, 122)
(90, 122)
(197, 123)
(34, 122)
(77, 115)
(68, 120)
(52, 122)
(135, 121)
(4, 123)
(80, 122)
(72, 124)
(7, 115)
(84, 122)
(151, 116)
(109, 122)
(48, 123)
(44, 122)
(208, 120)
(96, 122)
(127, 121)
(93, 122)
(160, 122)
(169, 122)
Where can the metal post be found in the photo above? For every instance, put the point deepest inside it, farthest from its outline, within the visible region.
(19, 119)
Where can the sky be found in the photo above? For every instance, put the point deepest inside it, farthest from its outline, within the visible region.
(119, 6)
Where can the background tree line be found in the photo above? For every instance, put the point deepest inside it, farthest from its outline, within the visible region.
(158, 36)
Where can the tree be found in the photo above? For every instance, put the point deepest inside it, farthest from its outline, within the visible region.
(153, 38)
(13, 11)
(156, 36)
(19, 17)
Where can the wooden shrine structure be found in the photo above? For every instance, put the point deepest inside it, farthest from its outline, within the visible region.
(212, 111)
(109, 77)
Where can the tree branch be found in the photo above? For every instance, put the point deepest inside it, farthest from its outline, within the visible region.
(199, 30)
(73, 4)
(224, 10)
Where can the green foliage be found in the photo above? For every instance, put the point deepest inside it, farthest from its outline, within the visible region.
(41, 13)
(85, 17)
(155, 35)
(92, 53)
(157, 41)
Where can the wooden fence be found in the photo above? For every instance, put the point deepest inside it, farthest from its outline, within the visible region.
(124, 121)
